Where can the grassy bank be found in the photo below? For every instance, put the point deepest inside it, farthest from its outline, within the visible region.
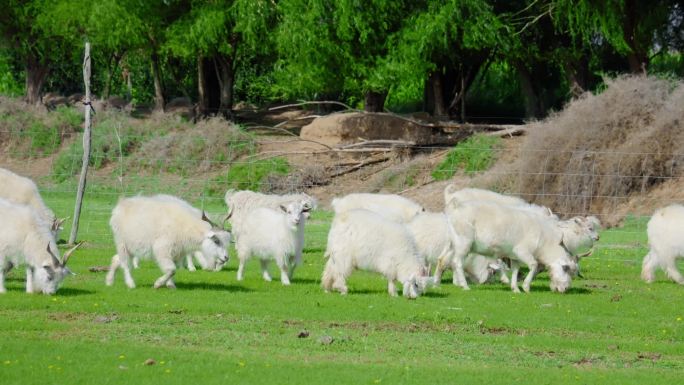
(609, 328)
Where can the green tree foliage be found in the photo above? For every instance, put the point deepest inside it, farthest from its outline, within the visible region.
(369, 53)
(24, 32)
(217, 36)
(335, 49)
(445, 40)
(630, 26)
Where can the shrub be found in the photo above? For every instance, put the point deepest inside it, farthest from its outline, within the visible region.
(248, 175)
(32, 131)
(191, 148)
(477, 153)
(113, 135)
(601, 149)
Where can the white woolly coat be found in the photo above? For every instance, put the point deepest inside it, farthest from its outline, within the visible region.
(393, 207)
(492, 229)
(361, 239)
(431, 234)
(24, 237)
(22, 190)
(147, 227)
(241, 203)
(267, 235)
(666, 243)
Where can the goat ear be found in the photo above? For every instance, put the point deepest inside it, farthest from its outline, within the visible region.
(57, 223)
(494, 266)
(578, 220)
(283, 208)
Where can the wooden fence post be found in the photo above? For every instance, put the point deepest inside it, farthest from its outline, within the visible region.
(86, 146)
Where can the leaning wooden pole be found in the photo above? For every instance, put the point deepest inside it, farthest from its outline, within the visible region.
(86, 146)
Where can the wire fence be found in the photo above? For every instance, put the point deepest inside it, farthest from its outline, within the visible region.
(200, 167)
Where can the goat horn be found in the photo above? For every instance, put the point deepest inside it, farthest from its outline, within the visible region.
(588, 253)
(69, 252)
(55, 260)
(223, 225)
(206, 219)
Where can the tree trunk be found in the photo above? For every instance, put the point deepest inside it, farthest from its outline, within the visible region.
(202, 94)
(637, 58)
(437, 88)
(638, 61)
(533, 107)
(36, 73)
(112, 65)
(577, 74)
(226, 77)
(374, 101)
(158, 88)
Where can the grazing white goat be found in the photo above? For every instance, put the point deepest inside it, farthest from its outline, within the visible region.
(241, 203)
(393, 207)
(206, 265)
(26, 239)
(361, 239)
(579, 233)
(492, 229)
(433, 241)
(270, 234)
(18, 189)
(476, 194)
(150, 227)
(666, 243)
(481, 269)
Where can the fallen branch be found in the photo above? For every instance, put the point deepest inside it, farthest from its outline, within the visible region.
(318, 102)
(381, 142)
(273, 154)
(415, 187)
(513, 131)
(289, 133)
(359, 165)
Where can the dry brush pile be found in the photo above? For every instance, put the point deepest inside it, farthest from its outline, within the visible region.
(603, 150)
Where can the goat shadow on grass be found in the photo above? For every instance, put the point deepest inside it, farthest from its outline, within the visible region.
(306, 281)
(72, 292)
(431, 294)
(434, 294)
(211, 286)
(533, 289)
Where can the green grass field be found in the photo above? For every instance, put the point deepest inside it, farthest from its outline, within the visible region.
(609, 328)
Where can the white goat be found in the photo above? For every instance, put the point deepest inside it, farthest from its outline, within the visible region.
(150, 227)
(206, 265)
(361, 239)
(432, 238)
(579, 233)
(270, 234)
(481, 269)
(241, 203)
(393, 207)
(26, 239)
(476, 194)
(666, 243)
(492, 229)
(18, 189)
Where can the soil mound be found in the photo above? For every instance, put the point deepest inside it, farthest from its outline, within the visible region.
(345, 128)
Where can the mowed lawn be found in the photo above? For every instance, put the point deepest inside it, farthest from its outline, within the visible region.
(609, 328)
